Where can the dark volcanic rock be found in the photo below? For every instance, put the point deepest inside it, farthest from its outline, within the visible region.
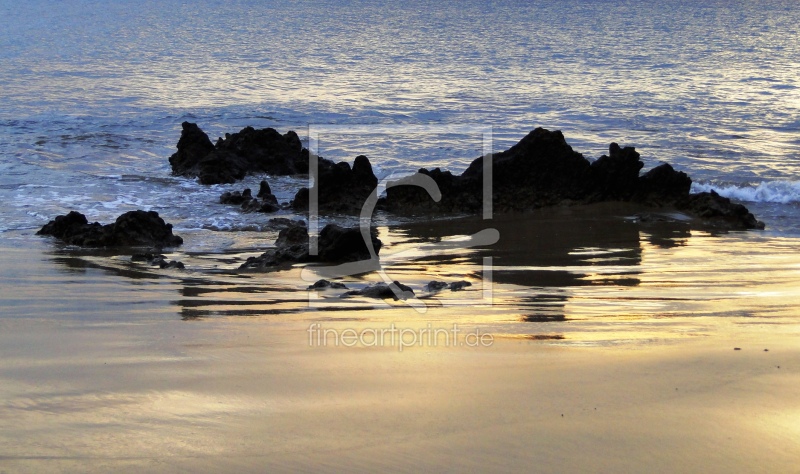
(142, 228)
(458, 194)
(540, 170)
(662, 186)
(264, 202)
(193, 146)
(72, 226)
(291, 247)
(325, 284)
(616, 175)
(543, 170)
(338, 244)
(157, 260)
(134, 228)
(236, 198)
(436, 286)
(335, 245)
(716, 210)
(256, 205)
(341, 188)
(459, 285)
(231, 158)
(395, 290)
(266, 198)
(295, 234)
(265, 192)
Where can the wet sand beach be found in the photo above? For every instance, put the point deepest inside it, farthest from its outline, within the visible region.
(613, 347)
(247, 396)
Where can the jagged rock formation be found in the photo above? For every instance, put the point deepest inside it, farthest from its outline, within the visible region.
(717, 211)
(132, 229)
(335, 244)
(543, 170)
(340, 187)
(231, 158)
(264, 201)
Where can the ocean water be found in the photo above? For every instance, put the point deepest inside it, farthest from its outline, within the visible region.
(93, 93)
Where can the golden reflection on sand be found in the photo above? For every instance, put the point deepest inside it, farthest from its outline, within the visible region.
(257, 396)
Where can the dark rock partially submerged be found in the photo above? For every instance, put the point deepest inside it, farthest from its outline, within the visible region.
(340, 244)
(193, 146)
(437, 286)
(335, 245)
(662, 185)
(340, 187)
(717, 211)
(290, 247)
(132, 229)
(157, 260)
(543, 170)
(325, 284)
(265, 201)
(237, 198)
(395, 290)
(231, 158)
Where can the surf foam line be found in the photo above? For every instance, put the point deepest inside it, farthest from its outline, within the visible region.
(782, 192)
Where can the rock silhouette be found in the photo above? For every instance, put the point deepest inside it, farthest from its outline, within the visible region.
(541, 170)
(132, 229)
(335, 244)
(232, 157)
(265, 201)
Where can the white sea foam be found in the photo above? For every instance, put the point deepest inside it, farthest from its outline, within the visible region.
(780, 192)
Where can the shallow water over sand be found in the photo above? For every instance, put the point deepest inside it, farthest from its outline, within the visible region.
(599, 274)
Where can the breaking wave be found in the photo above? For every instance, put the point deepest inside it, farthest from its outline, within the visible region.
(782, 192)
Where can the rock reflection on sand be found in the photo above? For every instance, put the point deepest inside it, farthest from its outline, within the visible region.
(589, 273)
